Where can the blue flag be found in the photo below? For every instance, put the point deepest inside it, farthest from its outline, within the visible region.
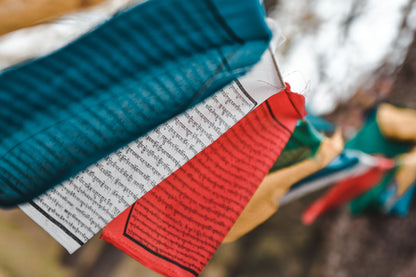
(65, 111)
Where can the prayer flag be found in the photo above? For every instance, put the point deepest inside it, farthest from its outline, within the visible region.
(77, 209)
(347, 189)
(349, 163)
(265, 200)
(176, 227)
(401, 207)
(303, 144)
(372, 139)
(64, 112)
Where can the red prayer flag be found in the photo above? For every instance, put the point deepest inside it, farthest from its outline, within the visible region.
(176, 227)
(347, 189)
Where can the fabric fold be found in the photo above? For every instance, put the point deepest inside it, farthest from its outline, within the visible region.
(385, 129)
(67, 110)
(347, 189)
(303, 144)
(265, 201)
(176, 227)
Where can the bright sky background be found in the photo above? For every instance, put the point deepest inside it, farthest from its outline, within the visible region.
(328, 62)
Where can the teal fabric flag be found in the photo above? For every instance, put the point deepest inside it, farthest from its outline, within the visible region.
(371, 141)
(392, 203)
(402, 206)
(63, 112)
(320, 124)
(303, 144)
(369, 202)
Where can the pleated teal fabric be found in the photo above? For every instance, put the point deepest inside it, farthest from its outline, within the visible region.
(63, 112)
(303, 144)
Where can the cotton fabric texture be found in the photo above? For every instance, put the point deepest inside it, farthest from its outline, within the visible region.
(63, 112)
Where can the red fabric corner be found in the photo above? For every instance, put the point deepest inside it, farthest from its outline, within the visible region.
(176, 227)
